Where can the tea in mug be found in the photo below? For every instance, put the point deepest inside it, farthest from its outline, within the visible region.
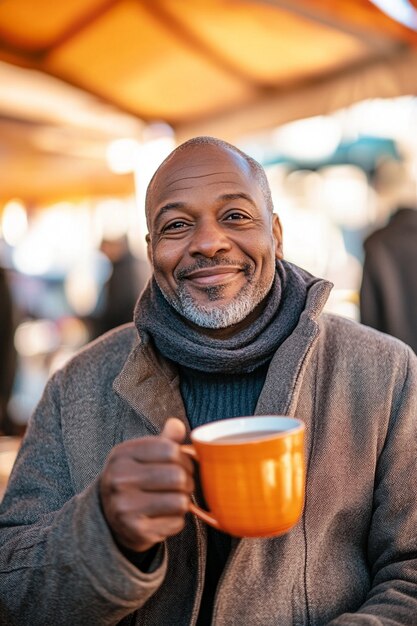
(246, 436)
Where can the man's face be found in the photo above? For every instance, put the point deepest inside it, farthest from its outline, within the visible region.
(212, 240)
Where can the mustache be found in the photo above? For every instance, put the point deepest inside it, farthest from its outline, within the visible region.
(203, 263)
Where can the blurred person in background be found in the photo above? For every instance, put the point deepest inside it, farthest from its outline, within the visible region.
(120, 292)
(95, 526)
(388, 292)
(7, 353)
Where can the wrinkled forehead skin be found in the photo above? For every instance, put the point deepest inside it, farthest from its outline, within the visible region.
(199, 165)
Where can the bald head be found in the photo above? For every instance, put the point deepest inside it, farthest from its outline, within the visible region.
(213, 238)
(255, 168)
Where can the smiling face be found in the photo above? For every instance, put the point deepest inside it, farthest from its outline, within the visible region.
(212, 239)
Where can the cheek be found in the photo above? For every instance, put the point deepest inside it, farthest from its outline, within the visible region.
(266, 255)
(264, 252)
(165, 259)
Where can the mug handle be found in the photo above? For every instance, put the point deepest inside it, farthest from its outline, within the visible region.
(206, 516)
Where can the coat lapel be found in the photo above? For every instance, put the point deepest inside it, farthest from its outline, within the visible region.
(150, 385)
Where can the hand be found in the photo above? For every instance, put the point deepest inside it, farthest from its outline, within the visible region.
(145, 488)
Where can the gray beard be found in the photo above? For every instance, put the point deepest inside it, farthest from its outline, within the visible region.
(223, 315)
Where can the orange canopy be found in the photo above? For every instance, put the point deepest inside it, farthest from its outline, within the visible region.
(220, 67)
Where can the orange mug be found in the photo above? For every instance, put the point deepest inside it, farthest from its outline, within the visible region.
(252, 474)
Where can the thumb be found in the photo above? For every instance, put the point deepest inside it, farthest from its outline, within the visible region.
(174, 429)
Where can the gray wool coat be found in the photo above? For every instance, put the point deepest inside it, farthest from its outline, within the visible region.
(351, 560)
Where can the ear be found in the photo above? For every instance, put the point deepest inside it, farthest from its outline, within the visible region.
(149, 248)
(277, 234)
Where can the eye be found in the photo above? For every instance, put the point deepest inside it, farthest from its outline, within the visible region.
(236, 215)
(175, 225)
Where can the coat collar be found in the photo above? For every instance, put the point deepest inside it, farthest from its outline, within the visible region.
(281, 390)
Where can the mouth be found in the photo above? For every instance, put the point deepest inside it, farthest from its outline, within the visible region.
(213, 275)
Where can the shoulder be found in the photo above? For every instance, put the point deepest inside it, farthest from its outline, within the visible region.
(345, 337)
(99, 362)
(365, 364)
(383, 237)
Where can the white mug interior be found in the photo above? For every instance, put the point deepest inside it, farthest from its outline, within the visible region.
(241, 425)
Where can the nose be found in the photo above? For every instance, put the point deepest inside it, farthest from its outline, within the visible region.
(208, 239)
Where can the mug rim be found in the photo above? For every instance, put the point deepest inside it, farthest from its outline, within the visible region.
(296, 426)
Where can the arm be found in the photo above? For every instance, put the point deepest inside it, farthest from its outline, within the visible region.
(59, 562)
(392, 539)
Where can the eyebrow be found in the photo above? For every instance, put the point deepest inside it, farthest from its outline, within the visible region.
(238, 196)
(172, 206)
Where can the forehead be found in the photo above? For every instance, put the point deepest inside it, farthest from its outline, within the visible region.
(208, 169)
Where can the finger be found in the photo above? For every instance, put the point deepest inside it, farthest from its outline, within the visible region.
(152, 477)
(143, 533)
(174, 429)
(167, 477)
(174, 504)
(161, 527)
(153, 449)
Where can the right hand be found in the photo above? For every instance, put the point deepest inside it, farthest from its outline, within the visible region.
(145, 488)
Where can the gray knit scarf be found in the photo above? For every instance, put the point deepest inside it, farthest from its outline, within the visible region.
(248, 349)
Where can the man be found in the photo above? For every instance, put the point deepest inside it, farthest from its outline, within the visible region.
(95, 528)
(7, 353)
(128, 277)
(388, 294)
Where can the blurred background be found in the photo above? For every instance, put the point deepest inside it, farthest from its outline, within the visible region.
(95, 93)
